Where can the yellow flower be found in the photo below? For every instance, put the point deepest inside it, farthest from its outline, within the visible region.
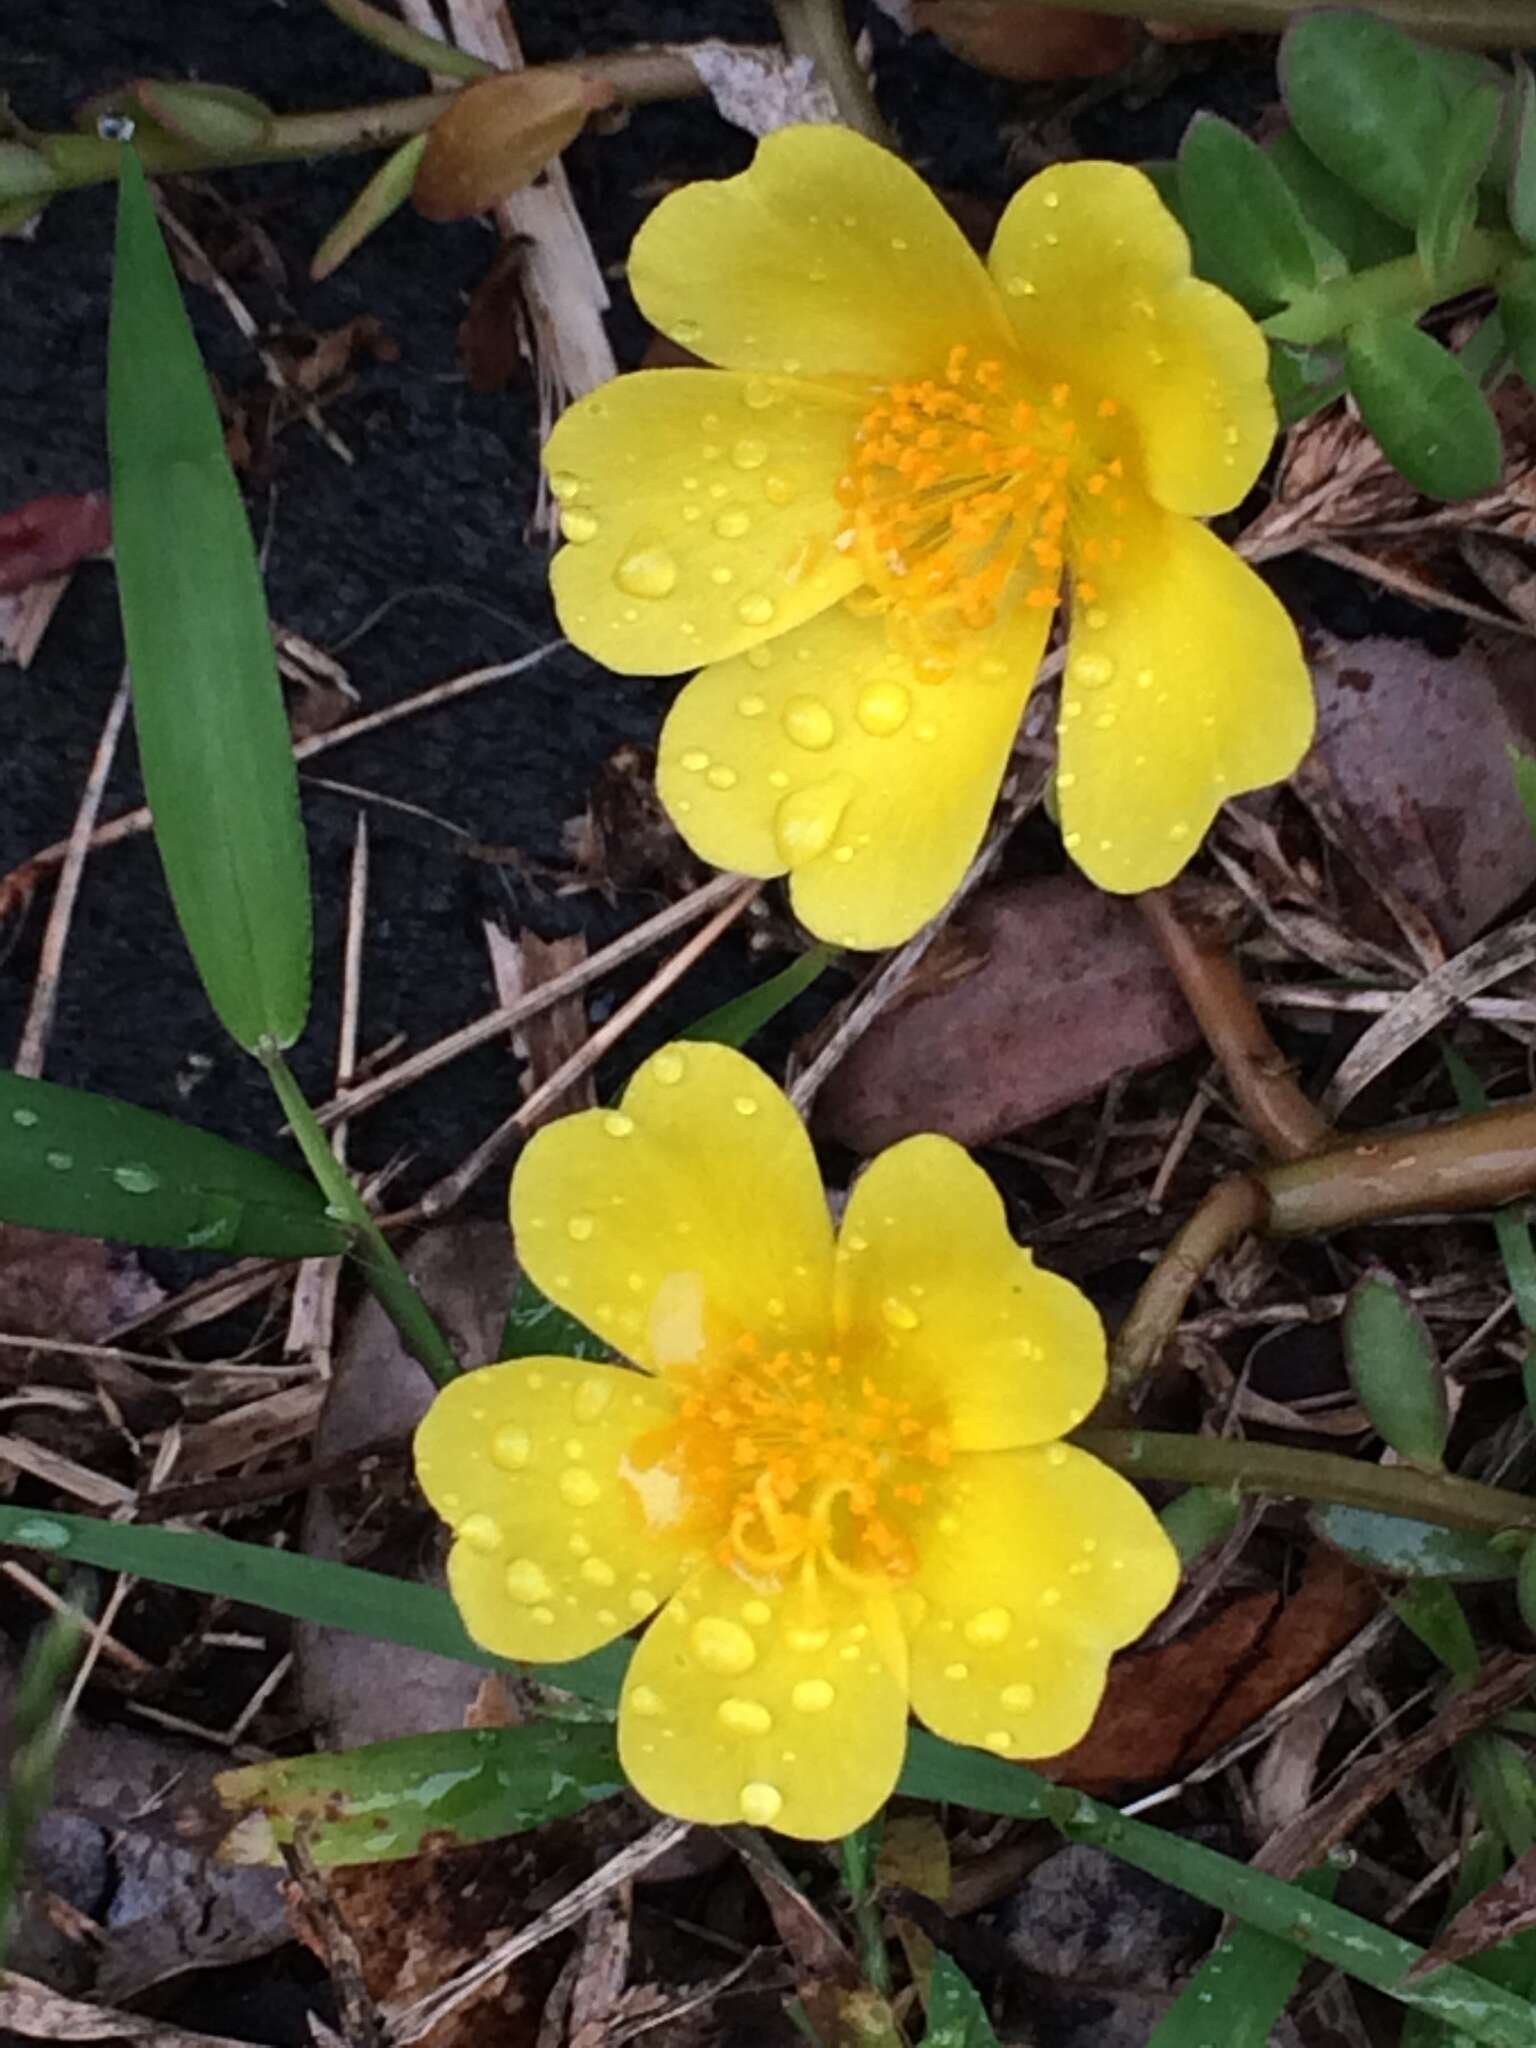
(861, 523)
(836, 1474)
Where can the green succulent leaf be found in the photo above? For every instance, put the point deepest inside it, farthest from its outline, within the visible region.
(1350, 226)
(1248, 231)
(1395, 1370)
(1413, 1550)
(1433, 423)
(1450, 198)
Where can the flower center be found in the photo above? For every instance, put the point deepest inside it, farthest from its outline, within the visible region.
(790, 1458)
(958, 496)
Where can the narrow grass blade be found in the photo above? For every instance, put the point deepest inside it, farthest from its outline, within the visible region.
(745, 1015)
(84, 1163)
(1242, 1987)
(379, 1803)
(956, 2016)
(213, 736)
(36, 1731)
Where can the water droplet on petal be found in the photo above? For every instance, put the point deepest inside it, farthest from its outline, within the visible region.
(596, 1571)
(998, 1739)
(759, 657)
(809, 723)
(579, 527)
(511, 1449)
(744, 1717)
(778, 489)
(813, 1696)
(988, 1628)
(722, 1646)
(581, 1226)
(750, 454)
(695, 760)
(590, 1399)
(563, 485)
(1096, 617)
(687, 333)
(956, 1673)
(1092, 671)
(807, 1640)
(756, 610)
(646, 572)
(641, 1603)
(758, 393)
(751, 707)
(761, 1804)
(806, 821)
(669, 1068)
(758, 1612)
(525, 1581)
(733, 524)
(1018, 1699)
(641, 1699)
(579, 1489)
(899, 1314)
(480, 1532)
(618, 1125)
(883, 708)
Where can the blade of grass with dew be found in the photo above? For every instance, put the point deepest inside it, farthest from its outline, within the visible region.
(956, 2016)
(378, 1803)
(393, 1610)
(100, 1168)
(214, 743)
(37, 1730)
(304, 1588)
(1239, 1992)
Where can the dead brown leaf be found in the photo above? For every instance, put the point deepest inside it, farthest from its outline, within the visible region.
(54, 1285)
(1166, 1709)
(50, 534)
(1505, 1909)
(494, 333)
(1066, 991)
(498, 134)
(625, 840)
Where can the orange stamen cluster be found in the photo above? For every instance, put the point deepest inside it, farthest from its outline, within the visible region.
(959, 494)
(790, 1457)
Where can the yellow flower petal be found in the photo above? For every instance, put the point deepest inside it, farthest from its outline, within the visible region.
(690, 1216)
(552, 1552)
(1035, 1565)
(828, 254)
(699, 513)
(826, 756)
(1185, 685)
(925, 1259)
(1094, 270)
(766, 1707)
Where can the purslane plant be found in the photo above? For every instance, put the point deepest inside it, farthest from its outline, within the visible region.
(838, 1473)
(858, 526)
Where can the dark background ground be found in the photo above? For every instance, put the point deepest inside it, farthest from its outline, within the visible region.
(434, 509)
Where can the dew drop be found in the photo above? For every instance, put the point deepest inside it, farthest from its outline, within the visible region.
(596, 1570)
(778, 489)
(61, 1162)
(758, 657)
(26, 1118)
(1096, 617)
(1056, 1456)
(641, 1603)
(134, 1179)
(756, 610)
(989, 1628)
(899, 1314)
(883, 708)
(1018, 1699)
(721, 575)
(806, 821)
(956, 1672)
(733, 524)
(809, 723)
(807, 1640)
(590, 1399)
(1019, 288)
(759, 394)
(1092, 671)
(695, 760)
(41, 1534)
(511, 1449)
(758, 1612)
(722, 1646)
(687, 333)
(751, 707)
(1178, 831)
(480, 1532)
(525, 1581)
(749, 453)
(581, 1226)
(618, 1125)
(1050, 199)
(999, 1740)
(578, 526)
(669, 1068)
(813, 1696)
(760, 1804)
(744, 1717)
(1106, 721)
(646, 572)
(579, 1489)
(642, 1699)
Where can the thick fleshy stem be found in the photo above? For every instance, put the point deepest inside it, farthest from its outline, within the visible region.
(1485, 24)
(818, 29)
(1402, 286)
(385, 1276)
(1282, 1473)
(1277, 1111)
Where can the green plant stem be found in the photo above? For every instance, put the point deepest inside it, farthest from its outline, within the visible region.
(1485, 24)
(1277, 1470)
(377, 1263)
(1401, 286)
(818, 29)
(858, 1853)
(637, 77)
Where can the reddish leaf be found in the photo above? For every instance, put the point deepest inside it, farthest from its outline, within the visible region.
(48, 535)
